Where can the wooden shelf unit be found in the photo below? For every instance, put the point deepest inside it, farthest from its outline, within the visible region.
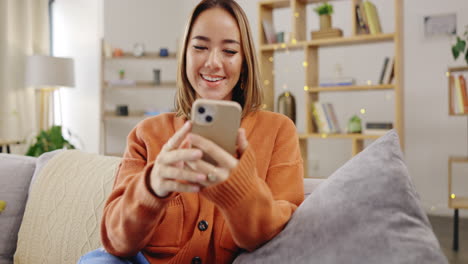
(311, 54)
(456, 202)
(107, 115)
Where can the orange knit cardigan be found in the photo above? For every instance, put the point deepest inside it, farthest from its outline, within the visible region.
(212, 226)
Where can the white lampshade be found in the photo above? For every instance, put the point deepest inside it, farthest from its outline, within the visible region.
(47, 71)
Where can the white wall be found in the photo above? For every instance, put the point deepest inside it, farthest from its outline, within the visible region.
(77, 33)
(431, 135)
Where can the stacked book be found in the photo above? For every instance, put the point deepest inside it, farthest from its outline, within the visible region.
(388, 71)
(459, 92)
(367, 18)
(327, 33)
(377, 128)
(324, 118)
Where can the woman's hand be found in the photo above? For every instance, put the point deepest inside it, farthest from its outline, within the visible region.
(225, 161)
(168, 174)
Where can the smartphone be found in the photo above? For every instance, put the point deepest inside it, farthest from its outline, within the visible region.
(218, 121)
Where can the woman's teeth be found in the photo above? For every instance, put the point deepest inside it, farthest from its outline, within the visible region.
(211, 79)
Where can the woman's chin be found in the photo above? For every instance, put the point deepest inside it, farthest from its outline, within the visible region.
(213, 96)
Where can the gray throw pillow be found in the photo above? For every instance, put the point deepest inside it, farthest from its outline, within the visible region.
(368, 211)
(15, 176)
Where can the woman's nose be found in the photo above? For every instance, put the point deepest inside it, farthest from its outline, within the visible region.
(214, 60)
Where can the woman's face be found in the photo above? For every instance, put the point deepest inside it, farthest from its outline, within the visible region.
(214, 55)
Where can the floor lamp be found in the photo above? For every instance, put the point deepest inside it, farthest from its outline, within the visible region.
(47, 74)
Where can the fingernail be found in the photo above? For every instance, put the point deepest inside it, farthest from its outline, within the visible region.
(197, 154)
(187, 123)
(201, 176)
(195, 188)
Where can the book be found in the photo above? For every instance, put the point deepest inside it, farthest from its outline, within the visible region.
(390, 72)
(328, 117)
(372, 18)
(269, 31)
(361, 24)
(384, 69)
(334, 119)
(379, 125)
(323, 126)
(452, 94)
(464, 93)
(459, 107)
(375, 131)
(343, 81)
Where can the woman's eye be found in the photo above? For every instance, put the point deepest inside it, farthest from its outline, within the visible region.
(232, 52)
(199, 47)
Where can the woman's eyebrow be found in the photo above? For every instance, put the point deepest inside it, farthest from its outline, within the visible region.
(228, 41)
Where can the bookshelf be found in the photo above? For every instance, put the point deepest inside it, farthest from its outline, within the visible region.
(135, 88)
(455, 202)
(311, 49)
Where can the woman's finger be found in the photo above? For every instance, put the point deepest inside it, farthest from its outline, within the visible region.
(175, 186)
(173, 173)
(213, 174)
(222, 157)
(178, 137)
(178, 155)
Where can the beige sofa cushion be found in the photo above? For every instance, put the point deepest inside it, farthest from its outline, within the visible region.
(62, 216)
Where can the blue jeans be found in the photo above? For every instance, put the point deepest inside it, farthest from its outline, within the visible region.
(101, 256)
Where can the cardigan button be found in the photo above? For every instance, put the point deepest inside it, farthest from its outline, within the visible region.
(203, 225)
(196, 260)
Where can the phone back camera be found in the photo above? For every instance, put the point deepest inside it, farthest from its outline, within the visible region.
(201, 110)
(208, 118)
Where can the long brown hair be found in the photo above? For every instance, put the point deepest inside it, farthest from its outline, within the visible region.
(248, 90)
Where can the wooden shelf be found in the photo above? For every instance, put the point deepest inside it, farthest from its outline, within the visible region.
(147, 56)
(458, 203)
(143, 85)
(342, 41)
(338, 136)
(274, 3)
(458, 69)
(351, 88)
(457, 159)
(299, 35)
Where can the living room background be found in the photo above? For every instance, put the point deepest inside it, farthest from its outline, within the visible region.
(430, 134)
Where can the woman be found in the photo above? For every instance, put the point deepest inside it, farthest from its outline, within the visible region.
(153, 217)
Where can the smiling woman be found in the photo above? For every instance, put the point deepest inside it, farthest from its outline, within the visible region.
(169, 205)
(214, 55)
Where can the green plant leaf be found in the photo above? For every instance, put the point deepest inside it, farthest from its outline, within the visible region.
(466, 56)
(461, 44)
(455, 52)
(49, 140)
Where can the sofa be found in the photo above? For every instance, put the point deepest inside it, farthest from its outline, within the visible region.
(55, 202)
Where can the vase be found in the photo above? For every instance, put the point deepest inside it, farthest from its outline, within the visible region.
(287, 105)
(325, 22)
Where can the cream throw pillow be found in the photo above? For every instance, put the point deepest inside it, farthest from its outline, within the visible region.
(62, 217)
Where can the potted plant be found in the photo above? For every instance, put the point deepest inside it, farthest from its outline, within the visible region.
(48, 140)
(460, 46)
(325, 11)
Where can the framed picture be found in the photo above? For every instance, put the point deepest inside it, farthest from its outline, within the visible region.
(440, 25)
